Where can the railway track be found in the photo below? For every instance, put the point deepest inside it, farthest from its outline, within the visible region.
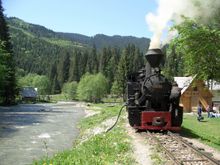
(181, 152)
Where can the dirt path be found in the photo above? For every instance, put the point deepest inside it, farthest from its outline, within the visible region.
(141, 149)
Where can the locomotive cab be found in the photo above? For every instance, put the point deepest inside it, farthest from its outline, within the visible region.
(153, 104)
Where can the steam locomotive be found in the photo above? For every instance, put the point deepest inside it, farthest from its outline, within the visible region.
(152, 100)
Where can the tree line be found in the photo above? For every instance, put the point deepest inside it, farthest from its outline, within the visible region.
(195, 50)
(112, 63)
(86, 75)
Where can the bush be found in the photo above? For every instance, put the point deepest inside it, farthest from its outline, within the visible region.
(42, 83)
(69, 90)
(92, 87)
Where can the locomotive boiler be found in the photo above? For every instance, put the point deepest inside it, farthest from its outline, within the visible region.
(152, 100)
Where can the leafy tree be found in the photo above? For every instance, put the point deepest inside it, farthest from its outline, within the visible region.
(42, 83)
(69, 90)
(8, 88)
(84, 89)
(92, 87)
(200, 46)
(27, 80)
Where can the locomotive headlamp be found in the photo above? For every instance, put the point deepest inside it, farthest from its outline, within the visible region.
(154, 57)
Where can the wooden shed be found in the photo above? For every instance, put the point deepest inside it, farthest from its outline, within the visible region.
(193, 91)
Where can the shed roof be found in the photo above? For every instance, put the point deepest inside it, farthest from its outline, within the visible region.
(28, 92)
(184, 82)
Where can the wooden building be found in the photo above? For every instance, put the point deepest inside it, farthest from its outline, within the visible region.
(192, 92)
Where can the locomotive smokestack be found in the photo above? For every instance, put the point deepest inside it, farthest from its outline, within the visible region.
(154, 57)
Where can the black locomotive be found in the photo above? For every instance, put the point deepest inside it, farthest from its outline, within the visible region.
(152, 100)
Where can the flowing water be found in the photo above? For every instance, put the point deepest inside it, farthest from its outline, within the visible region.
(31, 131)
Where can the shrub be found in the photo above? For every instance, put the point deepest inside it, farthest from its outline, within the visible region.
(92, 87)
(69, 90)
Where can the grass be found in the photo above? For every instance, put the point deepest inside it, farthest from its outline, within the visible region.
(206, 131)
(112, 99)
(58, 97)
(106, 111)
(111, 148)
(102, 149)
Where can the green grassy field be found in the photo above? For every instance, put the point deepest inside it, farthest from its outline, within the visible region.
(207, 131)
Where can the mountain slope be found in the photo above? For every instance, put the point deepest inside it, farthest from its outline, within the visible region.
(99, 40)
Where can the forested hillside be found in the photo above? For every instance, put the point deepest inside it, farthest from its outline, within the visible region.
(65, 57)
(101, 40)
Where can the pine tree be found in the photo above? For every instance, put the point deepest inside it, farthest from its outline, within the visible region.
(55, 88)
(74, 67)
(2, 71)
(83, 63)
(138, 60)
(112, 64)
(66, 67)
(104, 60)
(122, 71)
(9, 86)
(63, 69)
(92, 62)
(95, 63)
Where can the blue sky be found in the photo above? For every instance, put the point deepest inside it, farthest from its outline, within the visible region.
(88, 17)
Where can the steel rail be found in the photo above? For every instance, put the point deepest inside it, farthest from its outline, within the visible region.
(169, 154)
(208, 158)
(176, 160)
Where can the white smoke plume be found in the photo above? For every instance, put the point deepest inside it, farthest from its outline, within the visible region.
(174, 10)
